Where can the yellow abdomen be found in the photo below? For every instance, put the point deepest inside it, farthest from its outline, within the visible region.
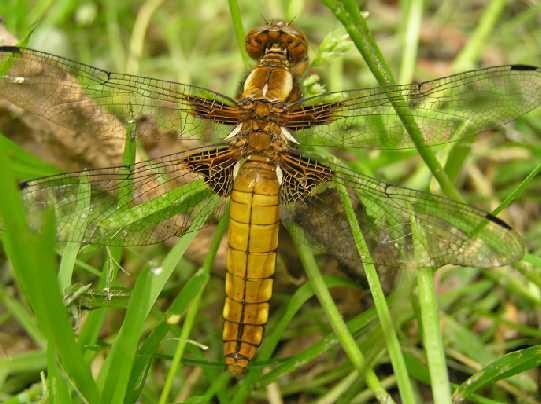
(251, 257)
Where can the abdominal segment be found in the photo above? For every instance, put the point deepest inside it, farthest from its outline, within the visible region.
(251, 257)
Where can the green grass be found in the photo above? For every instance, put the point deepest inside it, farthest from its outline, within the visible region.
(466, 333)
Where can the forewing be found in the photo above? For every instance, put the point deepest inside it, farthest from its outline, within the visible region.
(403, 227)
(76, 95)
(445, 109)
(139, 205)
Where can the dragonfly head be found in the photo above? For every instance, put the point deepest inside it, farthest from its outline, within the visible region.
(278, 34)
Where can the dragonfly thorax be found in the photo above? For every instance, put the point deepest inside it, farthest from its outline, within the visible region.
(260, 136)
(259, 140)
(269, 82)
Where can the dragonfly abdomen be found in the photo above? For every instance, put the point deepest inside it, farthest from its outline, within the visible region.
(251, 257)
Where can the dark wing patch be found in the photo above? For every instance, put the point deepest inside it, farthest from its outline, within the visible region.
(301, 176)
(216, 166)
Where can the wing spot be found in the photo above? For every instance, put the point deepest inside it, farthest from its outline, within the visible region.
(498, 221)
(108, 78)
(13, 49)
(523, 67)
(385, 190)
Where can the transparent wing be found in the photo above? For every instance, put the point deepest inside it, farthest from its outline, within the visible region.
(445, 109)
(144, 204)
(394, 220)
(76, 95)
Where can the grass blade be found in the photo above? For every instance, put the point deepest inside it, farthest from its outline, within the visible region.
(23, 316)
(432, 339)
(71, 249)
(138, 309)
(234, 11)
(137, 39)
(433, 344)
(393, 346)
(348, 13)
(33, 260)
(23, 362)
(518, 190)
(335, 319)
(413, 14)
(117, 369)
(466, 60)
(508, 365)
(58, 388)
(194, 306)
(178, 308)
(480, 36)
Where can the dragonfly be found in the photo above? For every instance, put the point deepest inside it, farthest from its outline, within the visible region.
(267, 165)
